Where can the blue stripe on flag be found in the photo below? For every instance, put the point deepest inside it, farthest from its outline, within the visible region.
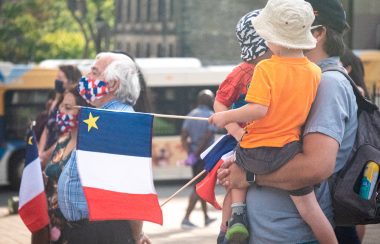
(116, 133)
(31, 152)
(223, 146)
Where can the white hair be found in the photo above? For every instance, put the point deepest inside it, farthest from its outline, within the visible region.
(112, 56)
(124, 70)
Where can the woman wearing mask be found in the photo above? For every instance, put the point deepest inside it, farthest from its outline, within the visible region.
(67, 123)
(67, 78)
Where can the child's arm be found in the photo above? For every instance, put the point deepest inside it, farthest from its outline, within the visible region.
(245, 114)
(233, 129)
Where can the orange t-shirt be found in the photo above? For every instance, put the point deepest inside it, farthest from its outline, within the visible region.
(288, 87)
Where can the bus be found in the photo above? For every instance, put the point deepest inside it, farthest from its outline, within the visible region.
(21, 99)
(173, 87)
(174, 91)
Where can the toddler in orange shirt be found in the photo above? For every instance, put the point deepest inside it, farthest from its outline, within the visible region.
(279, 98)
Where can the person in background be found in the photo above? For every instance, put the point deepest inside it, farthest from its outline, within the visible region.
(42, 118)
(196, 136)
(66, 120)
(67, 78)
(116, 76)
(231, 93)
(355, 69)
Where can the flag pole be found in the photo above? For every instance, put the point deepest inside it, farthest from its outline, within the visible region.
(183, 187)
(170, 116)
(178, 117)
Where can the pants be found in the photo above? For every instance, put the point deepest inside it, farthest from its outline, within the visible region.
(98, 232)
(347, 235)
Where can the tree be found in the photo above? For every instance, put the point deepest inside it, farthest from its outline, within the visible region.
(34, 30)
(94, 29)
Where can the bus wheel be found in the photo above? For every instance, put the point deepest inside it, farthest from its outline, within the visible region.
(16, 167)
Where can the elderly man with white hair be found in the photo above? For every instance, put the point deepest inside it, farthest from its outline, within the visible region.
(112, 83)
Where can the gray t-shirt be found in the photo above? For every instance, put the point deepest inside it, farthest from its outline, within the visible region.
(197, 129)
(273, 217)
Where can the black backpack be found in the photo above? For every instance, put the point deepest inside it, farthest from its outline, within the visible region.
(349, 207)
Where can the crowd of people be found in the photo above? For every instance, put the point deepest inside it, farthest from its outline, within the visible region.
(119, 79)
(295, 123)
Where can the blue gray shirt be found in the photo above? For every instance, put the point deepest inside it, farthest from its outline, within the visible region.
(272, 215)
(71, 200)
(197, 129)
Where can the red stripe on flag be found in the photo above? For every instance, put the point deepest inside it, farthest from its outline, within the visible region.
(206, 188)
(110, 205)
(35, 213)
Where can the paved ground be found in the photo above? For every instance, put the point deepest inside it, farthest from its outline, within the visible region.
(13, 231)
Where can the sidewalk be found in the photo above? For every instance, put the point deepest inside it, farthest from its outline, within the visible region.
(13, 231)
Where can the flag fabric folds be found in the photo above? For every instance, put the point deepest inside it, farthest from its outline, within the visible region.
(213, 153)
(206, 188)
(214, 156)
(33, 208)
(114, 163)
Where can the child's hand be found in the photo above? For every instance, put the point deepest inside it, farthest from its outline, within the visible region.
(218, 119)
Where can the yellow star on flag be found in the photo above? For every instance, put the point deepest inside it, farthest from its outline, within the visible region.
(30, 140)
(91, 122)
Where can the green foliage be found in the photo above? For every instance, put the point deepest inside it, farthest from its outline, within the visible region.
(68, 47)
(34, 30)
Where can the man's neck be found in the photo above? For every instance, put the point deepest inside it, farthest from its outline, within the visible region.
(98, 103)
(289, 53)
(316, 55)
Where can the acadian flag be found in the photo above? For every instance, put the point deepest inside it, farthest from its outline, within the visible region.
(214, 157)
(33, 208)
(114, 161)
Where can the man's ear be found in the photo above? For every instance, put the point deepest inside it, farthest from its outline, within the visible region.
(113, 88)
(320, 33)
(348, 68)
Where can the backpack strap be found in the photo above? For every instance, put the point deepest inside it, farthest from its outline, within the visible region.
(362, 102)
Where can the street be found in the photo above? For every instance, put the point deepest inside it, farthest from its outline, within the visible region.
(12, 229)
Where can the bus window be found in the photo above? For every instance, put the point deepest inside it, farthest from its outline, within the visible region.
(174, 101)
(21, 108)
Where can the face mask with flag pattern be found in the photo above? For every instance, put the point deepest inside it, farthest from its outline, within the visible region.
(66, 122)
(91, 89)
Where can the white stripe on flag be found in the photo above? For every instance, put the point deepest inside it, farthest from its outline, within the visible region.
(113, 172)
(31, 183)
(203, 155)
(227, 155)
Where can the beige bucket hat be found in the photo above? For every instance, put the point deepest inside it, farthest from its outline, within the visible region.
(286, 23)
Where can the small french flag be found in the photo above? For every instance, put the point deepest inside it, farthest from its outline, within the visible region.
(33, 208)
(214, 157)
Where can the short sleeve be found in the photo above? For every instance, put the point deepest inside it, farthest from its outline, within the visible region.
(228, 91)
(330, 110)
(260, 89)
(185, 125)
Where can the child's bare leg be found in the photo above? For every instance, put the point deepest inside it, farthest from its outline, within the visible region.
(309, 209)
(226, 215)
(238, 195)
(226, 210)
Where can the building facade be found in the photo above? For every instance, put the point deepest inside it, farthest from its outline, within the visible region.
(364, 19)
(206, 29)
(181, 28)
